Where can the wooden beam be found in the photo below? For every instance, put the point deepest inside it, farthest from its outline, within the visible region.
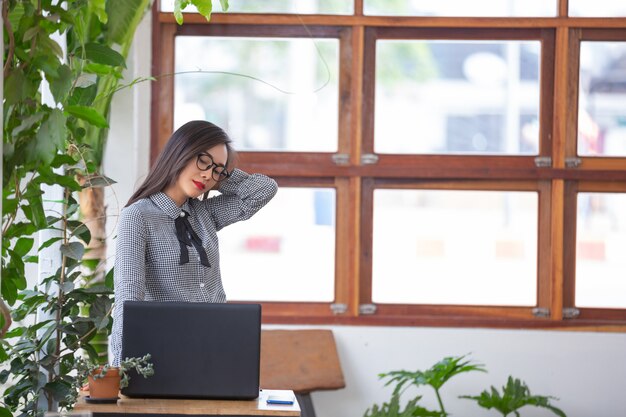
(163, 88)
(399, 21)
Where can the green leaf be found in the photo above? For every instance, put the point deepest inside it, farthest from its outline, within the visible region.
(97, 7)
(60, 85)
(64, 15)
(47, 334)
(83, 96)
(49, 44)
(17, 332)
(224, 4)
(4, 375)
(27, 123)
(50, 136)
(5, 412)
(9, 205)
(49, 242)
(515, 395)
(66, 287)
(94, 181)
(81, 231)
(109, 278)
(179, 5)
(62, 159)
(9, 289)
(48, 63)
(58, 389)
(74, 250)
(424, 412)
(17, 87)
(32, 259)
(23, 245)
(99, 311)
(435, 376)
(392, 409)
(205, 7)
(47, 176)
(102, 54)
(98, 69)
(88, 114)
(86, 80)
(31, 33)
(35, 203)
(16, 14)
(124, 16)
(20, 229)
(95, 289)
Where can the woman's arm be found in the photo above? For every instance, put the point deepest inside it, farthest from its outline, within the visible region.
(242, 196)
(129, 272)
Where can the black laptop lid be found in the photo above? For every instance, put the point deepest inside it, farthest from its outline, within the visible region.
(199, 350)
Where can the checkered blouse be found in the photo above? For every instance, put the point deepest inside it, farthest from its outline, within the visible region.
(148, 253)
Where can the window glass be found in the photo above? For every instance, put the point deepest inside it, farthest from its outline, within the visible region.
(455, 247)
(461, 7)
(276, 6)
(597, 8)
(285, 252)
(467, 97)
(269, 94)
(602, 99)
(600, 243)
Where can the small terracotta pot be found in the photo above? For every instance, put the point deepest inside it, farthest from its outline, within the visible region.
(106, 387)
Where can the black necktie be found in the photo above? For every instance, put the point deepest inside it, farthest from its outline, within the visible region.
(187, 237)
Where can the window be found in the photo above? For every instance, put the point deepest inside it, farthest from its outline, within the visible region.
(457, 96)
(264, 256)
(602, 99)
(439, 164)
(278, 6)
(600, 234)
(226, 84)
(454, 247)
(461, 8)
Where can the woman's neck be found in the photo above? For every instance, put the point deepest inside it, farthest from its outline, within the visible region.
(176, 197)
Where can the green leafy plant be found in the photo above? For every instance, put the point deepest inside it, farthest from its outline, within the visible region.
(205, 8)
(57, 142)
(515, 395)
(392, 409)
(435, 377)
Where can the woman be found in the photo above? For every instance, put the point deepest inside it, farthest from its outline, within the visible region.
(167, 246)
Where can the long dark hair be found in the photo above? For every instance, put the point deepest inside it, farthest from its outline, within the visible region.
(184, 145)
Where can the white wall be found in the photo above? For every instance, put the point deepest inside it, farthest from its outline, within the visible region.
(127, 153)
(587, 371)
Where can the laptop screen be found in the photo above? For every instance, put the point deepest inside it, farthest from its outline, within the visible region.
(199, 350)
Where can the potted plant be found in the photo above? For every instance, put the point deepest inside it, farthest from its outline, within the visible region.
(105, 381)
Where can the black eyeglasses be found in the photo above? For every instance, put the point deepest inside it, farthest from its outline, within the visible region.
(204, 162)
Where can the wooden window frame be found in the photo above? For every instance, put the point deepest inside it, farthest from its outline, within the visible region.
(569, 296)
(354, 181)
(470, 314)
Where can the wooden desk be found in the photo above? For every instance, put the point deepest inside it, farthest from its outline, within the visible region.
(171, 407)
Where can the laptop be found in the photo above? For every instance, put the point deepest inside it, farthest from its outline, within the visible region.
(199, 350)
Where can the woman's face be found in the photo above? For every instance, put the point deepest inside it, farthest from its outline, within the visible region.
(192, 181)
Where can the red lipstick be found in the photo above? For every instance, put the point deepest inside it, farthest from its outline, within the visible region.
(199, 185)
